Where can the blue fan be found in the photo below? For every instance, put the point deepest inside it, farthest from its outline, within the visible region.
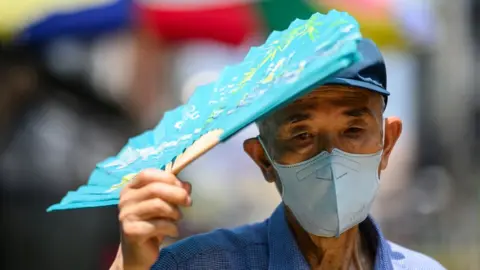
(288, 65)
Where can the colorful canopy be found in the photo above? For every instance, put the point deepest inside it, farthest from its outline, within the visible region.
(39, 20)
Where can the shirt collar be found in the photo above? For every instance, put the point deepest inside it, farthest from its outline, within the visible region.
(284, 252)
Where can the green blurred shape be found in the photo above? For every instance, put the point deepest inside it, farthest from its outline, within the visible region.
(278, 14)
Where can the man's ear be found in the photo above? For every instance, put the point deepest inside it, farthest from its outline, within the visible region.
(393, 130)
(256, 152)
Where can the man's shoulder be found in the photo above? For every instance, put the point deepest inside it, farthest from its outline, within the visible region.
(404, 258)
(220, 245)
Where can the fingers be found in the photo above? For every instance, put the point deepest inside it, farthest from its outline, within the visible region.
(188, 187)
(142, 231)
(172, 194)
(153, 175)
(150, 209)
(149, 206)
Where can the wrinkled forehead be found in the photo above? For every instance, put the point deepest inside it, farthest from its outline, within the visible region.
(336, 95)
(331, 97)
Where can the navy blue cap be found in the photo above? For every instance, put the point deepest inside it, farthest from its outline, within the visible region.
(369, 73)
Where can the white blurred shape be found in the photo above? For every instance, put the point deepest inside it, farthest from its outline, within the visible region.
(402, 78)
(196, 80)
(417, 18)
(111, 65)
(201, 62)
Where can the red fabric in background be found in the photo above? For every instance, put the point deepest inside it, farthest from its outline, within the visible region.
(108, 256)
(224, 24)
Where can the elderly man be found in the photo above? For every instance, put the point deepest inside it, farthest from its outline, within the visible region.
(325, 153)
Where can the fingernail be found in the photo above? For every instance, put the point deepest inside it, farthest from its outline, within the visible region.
(189, 201)
(187, 187)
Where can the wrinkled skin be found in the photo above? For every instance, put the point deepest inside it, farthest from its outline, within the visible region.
(350, 119)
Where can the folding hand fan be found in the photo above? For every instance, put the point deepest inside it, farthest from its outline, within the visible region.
(288, 65)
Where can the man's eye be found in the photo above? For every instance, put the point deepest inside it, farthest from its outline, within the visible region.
(303, 136)
(353, 131)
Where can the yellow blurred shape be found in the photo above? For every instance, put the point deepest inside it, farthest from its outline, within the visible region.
(375, 19)
(385, 34)
(16, 15)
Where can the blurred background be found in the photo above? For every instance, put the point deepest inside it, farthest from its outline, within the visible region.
(79, 77)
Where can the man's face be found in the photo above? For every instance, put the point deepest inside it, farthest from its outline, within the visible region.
(346, 118)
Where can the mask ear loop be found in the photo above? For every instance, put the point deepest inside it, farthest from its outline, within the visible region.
(265, 150)
(272, 162)
(384, 131)
(384, 124)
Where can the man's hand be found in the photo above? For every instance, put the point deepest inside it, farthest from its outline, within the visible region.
(148, 213)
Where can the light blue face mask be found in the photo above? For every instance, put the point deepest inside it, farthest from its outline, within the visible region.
(331, 192)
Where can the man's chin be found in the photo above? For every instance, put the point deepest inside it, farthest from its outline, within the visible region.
(296, 226)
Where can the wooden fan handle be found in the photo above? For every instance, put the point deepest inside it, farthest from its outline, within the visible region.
(197, 149)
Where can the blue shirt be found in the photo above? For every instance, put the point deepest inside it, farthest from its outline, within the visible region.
(270, 245)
